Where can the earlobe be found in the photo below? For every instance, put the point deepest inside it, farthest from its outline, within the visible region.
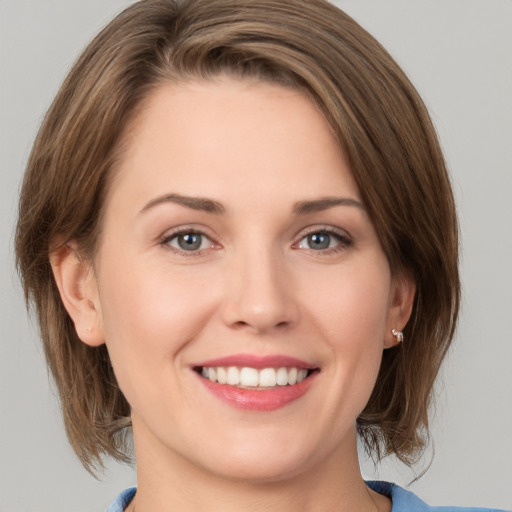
(403, 291)
(79, 293)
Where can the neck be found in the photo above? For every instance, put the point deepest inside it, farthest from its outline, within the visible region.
(168, 482)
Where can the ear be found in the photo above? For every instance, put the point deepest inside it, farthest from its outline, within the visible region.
(403, 290)
(79, 292)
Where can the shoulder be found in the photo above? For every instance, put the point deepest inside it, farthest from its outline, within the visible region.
(403, 500)
(406, 501)
(123, 500)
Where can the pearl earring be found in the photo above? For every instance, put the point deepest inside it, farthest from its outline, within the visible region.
(399, 335)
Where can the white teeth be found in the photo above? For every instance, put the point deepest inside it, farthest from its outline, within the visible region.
(302, 374)
(249, 377)
(252, 377)
(222, 375)
(267, 378)
(233, 376)
(282, 377)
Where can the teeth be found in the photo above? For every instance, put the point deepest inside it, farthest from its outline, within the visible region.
(249, 377)
(282, 377)
(268, 378)
(222, 375)
(233, 376)
(292, 376)
(252, 377)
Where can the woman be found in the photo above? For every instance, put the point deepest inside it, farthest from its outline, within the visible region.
(238, 230)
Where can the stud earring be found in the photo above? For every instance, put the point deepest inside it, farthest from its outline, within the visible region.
(399, 335)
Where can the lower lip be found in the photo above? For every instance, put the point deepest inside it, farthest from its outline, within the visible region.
(265, 400)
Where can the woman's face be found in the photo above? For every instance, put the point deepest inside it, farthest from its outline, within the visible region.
(235, 246)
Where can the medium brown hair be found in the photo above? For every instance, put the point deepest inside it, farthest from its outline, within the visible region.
(377, 116)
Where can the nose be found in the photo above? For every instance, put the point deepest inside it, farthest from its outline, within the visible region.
(259, 294)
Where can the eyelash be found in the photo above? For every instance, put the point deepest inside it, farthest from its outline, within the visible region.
(165, 242)
(344, 241)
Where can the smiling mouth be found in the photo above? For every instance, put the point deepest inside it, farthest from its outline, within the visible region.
(255, 378)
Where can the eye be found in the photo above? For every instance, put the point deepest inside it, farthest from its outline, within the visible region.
(189, 241)
(318, 241)
(324, 240)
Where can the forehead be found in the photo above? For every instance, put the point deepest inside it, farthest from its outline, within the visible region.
(210, 138)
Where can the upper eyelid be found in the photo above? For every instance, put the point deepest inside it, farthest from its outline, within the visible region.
(173, 232)
(323, 229)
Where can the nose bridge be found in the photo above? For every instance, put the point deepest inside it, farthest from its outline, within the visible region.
(258, 289)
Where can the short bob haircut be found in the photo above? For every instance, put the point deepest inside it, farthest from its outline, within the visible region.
(378, 118)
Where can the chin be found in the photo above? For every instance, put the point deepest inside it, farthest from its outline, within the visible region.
(267, 459)
(257, 471)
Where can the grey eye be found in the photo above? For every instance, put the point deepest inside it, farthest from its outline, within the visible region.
(189, 241)
(319, 241)
(324, 240)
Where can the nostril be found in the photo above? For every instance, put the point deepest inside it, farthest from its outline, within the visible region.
(240, 324)
(260, 314)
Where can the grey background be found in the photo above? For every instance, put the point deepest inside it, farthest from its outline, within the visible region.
(459, 55)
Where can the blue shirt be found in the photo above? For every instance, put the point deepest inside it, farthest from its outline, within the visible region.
(403, 501)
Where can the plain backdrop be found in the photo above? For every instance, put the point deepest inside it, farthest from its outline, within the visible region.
(459, 55)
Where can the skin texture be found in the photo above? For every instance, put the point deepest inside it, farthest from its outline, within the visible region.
(256, 285)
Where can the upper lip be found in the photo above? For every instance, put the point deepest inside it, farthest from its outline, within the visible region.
(259, 362)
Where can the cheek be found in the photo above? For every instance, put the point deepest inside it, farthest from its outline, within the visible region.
(354, 305)
(149, 314)
(352, 318)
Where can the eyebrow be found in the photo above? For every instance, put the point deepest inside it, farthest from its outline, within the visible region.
(318, 205)
(195, 203)
(211, 206)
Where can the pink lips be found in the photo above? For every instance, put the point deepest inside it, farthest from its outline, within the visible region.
(258, 399)
(241, 360)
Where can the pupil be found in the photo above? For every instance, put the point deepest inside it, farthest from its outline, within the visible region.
(319, 241)
(189, 241)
